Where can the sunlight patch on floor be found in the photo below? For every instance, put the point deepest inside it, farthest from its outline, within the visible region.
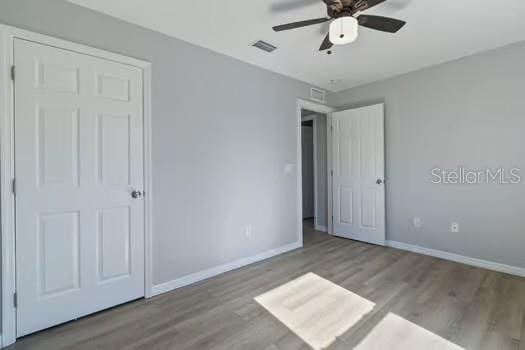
(315, 309)
(395, 332)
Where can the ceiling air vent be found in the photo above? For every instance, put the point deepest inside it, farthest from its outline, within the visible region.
(263, 45)
(317, 95)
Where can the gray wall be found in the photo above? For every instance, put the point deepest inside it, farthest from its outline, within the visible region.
(468, 113)
(222, 134)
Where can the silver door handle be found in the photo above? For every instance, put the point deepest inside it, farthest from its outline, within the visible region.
(379, 181)
(136, 194)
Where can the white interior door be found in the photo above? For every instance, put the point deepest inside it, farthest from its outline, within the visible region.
(358, 174)
(78, 159)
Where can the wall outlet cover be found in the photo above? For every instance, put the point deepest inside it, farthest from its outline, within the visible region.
(454, 227)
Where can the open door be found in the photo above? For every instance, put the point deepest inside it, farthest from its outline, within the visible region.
(358, 174)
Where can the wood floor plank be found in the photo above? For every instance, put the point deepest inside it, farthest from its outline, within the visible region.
(430, 300)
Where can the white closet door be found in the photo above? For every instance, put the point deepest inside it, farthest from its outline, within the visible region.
(78, 160)
(358, 174)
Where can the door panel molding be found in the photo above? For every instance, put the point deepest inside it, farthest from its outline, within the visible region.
(113, 88)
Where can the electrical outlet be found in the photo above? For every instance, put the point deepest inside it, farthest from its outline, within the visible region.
(417, 222)
(249, 231)
(454, 227)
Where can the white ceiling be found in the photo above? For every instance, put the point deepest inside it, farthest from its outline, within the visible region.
(437, 31)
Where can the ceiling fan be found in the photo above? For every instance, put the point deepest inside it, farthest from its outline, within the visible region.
(345, 17)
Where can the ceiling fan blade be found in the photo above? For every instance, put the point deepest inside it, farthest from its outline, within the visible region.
(300, 24)
(384, 24)
(362, 5)
(327, 44)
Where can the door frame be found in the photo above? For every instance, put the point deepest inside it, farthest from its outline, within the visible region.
(321, 109)
(7, 201)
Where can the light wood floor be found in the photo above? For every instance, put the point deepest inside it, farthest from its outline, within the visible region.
(413, 297)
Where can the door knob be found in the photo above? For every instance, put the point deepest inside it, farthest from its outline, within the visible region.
(379, 181)
(136, 194)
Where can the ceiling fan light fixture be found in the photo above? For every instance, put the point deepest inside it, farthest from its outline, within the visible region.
(343, 30)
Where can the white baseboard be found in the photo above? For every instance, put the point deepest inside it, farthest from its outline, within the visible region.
(321, 228)
(489, 265)
(217, 270)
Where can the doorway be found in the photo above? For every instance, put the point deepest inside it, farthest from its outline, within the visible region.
(354, 170)
(314, 171)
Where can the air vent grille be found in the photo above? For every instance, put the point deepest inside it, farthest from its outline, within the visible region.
(317, 95)
(263, 45)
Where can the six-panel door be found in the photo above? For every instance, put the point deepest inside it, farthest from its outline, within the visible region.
(359, 174)
(78, 157)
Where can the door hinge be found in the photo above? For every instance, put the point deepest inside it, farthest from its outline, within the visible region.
(13, 73)
(332, 173)
(13, 186)
(15, 300)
